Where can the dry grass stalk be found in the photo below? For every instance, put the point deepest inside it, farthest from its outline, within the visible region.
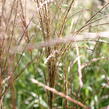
(79, 67)
(92, 61)
(59, 93)
(13, 93)
(56, 41)
(7, 40)
(45, 22)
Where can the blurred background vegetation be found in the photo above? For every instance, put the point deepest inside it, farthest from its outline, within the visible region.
(79, 70)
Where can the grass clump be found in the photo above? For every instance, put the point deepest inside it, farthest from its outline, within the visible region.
(54, 54)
